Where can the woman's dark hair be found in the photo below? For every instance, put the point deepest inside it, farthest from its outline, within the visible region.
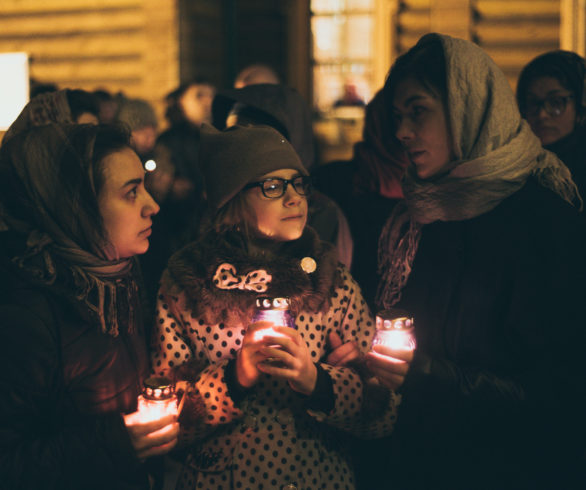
(81, 101)
(568, 68)
(90, 144)
(236, 213)
(424, 62)
(174, 113)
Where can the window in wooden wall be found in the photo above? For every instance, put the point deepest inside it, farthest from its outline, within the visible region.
(343, 50)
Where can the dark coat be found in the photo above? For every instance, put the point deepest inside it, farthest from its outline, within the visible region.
(64, 386)
(572, 151)
(495, 396)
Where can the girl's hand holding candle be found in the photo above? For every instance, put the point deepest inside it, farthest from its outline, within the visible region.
(289, 359)
(250, 355)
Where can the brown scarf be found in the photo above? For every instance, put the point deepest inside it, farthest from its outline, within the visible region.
(63, 239)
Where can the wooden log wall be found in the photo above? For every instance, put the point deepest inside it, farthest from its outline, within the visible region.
(512, 32)
(119, 45)
(201, 42)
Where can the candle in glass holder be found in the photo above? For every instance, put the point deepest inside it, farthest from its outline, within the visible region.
(394, 329)
(157, 400)
(275, 310)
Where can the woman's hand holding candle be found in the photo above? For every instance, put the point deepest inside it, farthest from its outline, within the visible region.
(390, 366)
(152, 438)
(293, 360)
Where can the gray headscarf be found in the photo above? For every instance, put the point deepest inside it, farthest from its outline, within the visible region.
(496, 152)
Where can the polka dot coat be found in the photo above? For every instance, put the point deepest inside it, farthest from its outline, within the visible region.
(269, 439)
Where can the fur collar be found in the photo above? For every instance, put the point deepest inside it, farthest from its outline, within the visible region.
(191, 271)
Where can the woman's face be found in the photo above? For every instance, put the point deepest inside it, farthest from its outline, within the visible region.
(544, 93)
(196, 103)
(125, 205)
(422, 128)
(281, 219)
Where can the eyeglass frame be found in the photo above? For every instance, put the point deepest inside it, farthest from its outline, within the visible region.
(541, 104)
(285, 182)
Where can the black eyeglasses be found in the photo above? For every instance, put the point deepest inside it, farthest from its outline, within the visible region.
(554, 106)
(275, 187)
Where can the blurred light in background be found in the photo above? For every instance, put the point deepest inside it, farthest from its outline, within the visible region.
(14, 86)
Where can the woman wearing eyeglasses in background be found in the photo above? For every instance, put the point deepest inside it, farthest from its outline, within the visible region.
(551, 96)
(252, 424)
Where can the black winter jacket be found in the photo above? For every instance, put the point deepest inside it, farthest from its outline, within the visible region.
(495, 396)
(64, 385)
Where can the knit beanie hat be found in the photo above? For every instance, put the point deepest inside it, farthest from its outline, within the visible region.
(137, 114)
(232, 158)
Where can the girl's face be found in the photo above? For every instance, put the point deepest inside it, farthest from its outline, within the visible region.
(550, 109)
(422, 128)
(125, 205)
(281, 219)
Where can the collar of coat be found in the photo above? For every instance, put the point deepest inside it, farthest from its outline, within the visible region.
(190, 272)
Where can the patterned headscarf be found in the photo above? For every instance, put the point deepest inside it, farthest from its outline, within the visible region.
(46, 108)
(48, 197)
(496, 152)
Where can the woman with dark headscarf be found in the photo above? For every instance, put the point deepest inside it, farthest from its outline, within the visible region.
(486, 254)
(551, 96)
(73, 214)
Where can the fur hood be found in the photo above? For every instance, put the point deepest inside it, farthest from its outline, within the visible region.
(191, 272)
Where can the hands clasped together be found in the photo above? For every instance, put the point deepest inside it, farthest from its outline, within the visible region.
(277, 351)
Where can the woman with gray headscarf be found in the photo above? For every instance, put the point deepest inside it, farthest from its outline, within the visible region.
(486, 253)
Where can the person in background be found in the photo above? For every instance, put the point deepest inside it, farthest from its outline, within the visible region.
(140, 117)
(350, 97)
(177, 182)
(108, 105)
(37, 87)
(255, 74)
(486, 253)
(263, 409)
(177, 176)
(284, 109)
(66, 106)
(73, 214)
(367, 188)
(552, 97)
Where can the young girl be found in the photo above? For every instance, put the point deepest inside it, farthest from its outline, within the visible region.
(263, 406)
(73, 213)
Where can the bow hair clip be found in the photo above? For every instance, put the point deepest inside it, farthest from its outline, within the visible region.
(227, 278)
